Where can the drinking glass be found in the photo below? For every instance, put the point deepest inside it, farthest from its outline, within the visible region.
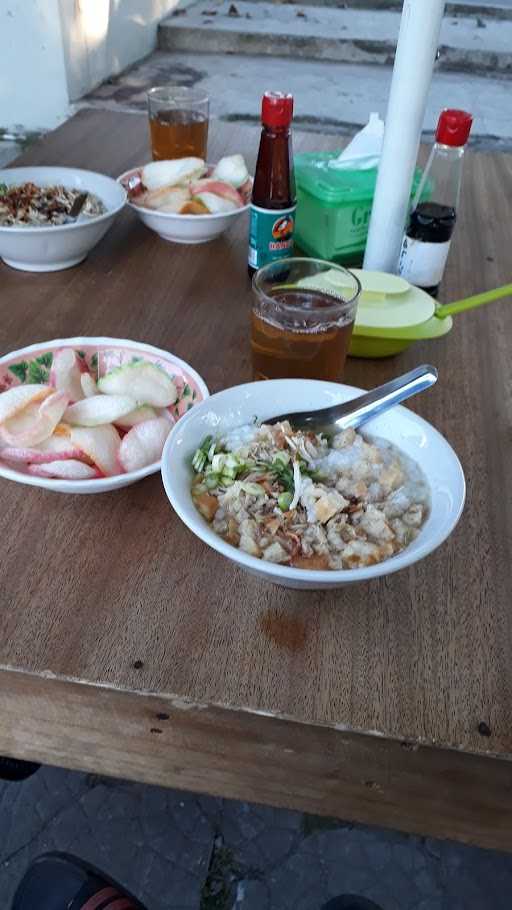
(178, 122)
(302, 319)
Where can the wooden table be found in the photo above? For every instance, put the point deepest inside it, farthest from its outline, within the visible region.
(129, 648)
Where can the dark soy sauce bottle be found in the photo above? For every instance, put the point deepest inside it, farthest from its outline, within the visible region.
(427, 239)
(273, 202)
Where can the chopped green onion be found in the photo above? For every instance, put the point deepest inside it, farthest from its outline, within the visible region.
(202, 454)
(232, 461)
(284, 500)
(282, 458)
(218, 462)
(198, 461)
(283, 474)
(254, 489)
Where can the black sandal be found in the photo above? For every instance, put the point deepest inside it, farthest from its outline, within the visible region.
(350, 902)
(58, 881)
(15, 769)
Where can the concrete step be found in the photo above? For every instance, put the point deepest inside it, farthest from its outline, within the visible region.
(329, 97)
(324, 33)
(9, 151)
(496, 9)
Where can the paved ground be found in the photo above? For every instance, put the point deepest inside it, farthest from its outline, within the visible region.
(9, 149)
(329, 97)
(467, 44)
(180, 851)
(496, 8)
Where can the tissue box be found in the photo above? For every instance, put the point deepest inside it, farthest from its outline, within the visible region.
(333, 207)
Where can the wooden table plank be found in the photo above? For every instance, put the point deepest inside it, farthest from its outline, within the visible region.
(309, 697)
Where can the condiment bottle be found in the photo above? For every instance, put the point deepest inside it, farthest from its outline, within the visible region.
(427, 240)
(273, 201)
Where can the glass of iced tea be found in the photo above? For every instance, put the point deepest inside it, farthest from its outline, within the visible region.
(178, 122)
(302, 319)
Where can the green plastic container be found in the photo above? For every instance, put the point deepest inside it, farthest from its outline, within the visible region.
(333, 207)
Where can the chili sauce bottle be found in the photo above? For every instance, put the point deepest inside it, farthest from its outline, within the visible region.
(273, 200)
(427, 239)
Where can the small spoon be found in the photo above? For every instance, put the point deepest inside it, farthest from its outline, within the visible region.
(358, 410)
(76, 208)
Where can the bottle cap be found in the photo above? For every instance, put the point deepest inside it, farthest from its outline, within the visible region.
(453, 127)
(276, 109)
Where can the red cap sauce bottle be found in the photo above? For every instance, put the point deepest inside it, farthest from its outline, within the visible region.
(273, 201)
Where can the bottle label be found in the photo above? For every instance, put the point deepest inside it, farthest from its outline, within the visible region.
(270, 235)
(423, 263)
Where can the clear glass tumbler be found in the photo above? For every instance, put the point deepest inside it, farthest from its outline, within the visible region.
(302, 319)
(178, 122)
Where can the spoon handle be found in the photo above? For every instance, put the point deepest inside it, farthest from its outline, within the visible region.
(469, 303)
(359, 410)
(76, 208)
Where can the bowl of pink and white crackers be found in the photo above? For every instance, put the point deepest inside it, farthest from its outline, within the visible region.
(187, 200)
(89, 415)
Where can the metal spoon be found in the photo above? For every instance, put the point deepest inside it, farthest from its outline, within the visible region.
(358, 410)
(76, 208)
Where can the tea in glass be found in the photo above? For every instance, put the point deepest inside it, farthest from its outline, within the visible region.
(178, 122)
(300, 330)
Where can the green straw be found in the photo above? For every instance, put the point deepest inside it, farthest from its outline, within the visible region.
(469, 303)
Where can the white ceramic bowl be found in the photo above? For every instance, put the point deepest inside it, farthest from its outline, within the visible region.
(239, 405)
(114, 352)
(183, 228)
(53, 247)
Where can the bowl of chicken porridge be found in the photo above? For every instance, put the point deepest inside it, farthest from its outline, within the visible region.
(305, 510)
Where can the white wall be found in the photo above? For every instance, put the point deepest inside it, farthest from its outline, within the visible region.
(55, 51)
(33, 84)
(103, 37)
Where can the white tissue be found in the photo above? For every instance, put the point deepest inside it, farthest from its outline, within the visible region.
(364, 151)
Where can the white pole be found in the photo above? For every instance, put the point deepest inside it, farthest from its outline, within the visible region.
(412, 73)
